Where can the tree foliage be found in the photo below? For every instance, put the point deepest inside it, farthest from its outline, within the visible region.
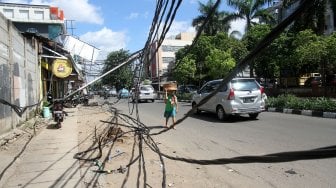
(214, 56)
(265, 65)
(215, 24)
(121, 77)
(309, 51)
(186, 71)
(252, 11)
(219, 63)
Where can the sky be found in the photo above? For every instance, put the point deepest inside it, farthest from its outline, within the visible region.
(110, 25)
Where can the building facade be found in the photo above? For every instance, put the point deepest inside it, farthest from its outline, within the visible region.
(43, 20)
(164, 59)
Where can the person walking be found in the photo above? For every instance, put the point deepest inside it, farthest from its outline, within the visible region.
(171, 106)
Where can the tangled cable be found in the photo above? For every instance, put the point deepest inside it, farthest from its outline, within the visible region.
(142, 136)
(19, 110)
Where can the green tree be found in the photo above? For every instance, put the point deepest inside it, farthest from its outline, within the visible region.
(223, 42)
(330, 48)
(121, 77)
(309, 51)
(184, 73)
(263, 65)
(207, 48)
(219, 63)
(252, 11)
(215, 24)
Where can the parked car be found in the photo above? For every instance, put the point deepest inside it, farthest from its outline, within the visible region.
(112, 92)
(313, 80)
(143, 92)
(240, 96)
(123, 93)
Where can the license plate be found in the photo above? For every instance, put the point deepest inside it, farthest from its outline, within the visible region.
(58, 112)
(248, 99)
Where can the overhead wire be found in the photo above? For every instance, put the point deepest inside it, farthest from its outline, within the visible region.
(142, 132)
(275, 32)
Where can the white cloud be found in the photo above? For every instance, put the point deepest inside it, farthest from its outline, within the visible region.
(78, 10)
(106, 39)
(178, 27)
(145, 15)
(133, 15)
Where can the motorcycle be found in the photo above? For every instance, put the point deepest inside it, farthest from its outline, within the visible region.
(57, 109)
(86, 100)
(58, 113)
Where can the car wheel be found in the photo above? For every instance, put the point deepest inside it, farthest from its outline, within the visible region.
(221, 115)
(197, 110)
(254, 115)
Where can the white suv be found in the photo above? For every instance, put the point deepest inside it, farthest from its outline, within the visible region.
(144, 92)
(239, 96)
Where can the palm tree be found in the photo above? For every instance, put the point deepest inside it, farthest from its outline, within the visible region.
(252, 11)
(215, 24)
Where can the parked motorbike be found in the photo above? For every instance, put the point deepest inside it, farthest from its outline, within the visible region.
(57, 109)
(58, 113)
(86, 100)
(77, 99)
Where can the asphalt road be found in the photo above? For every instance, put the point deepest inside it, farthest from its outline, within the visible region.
(204, 137)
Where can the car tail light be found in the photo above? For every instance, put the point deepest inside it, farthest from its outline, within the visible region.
(231, 95)
(262, 90)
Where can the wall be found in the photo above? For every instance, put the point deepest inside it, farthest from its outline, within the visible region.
(19, 75)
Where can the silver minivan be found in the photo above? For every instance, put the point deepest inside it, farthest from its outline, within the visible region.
(144, 92)
(239, 96)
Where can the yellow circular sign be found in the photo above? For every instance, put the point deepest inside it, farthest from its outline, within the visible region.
(61, 68)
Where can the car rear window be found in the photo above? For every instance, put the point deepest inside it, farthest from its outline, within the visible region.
(146, 88)
(244, 85)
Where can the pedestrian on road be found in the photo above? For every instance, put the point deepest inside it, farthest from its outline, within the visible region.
(171, 107)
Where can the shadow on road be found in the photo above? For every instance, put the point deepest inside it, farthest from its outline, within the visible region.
(210, 117)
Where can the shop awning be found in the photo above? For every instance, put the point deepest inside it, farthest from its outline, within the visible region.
(77, 47)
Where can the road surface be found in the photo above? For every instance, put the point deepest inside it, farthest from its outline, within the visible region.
(205, 137)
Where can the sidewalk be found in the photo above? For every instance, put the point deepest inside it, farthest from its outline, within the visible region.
(48, 159)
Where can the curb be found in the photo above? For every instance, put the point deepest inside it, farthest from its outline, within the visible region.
(331, 115)
(313, 113)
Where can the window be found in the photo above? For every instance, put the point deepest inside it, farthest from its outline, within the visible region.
(9, 13)
(207, 88)
(38, 15)
(244, 85)
(164, 71)
(24, 14)
(168, 59)
(217, 84)
(166, 48)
